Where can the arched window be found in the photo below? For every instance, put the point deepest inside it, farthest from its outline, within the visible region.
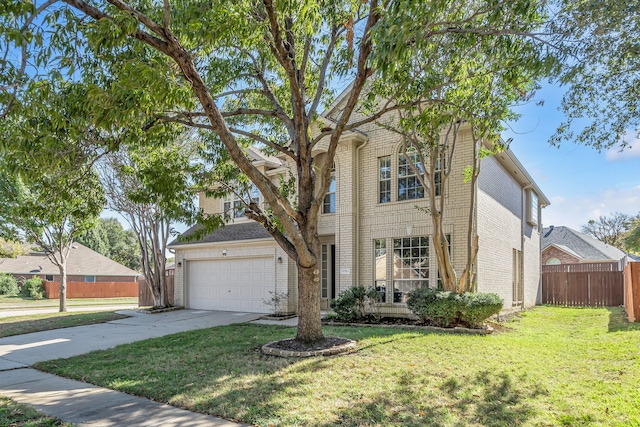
(329, 204)
(553, 261)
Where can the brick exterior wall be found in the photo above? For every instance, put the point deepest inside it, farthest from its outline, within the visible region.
(502, 228)
(553, 252)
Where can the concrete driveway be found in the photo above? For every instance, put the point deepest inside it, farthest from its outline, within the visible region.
(25, 350)
(85, 404)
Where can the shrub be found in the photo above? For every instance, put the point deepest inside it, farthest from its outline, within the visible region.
(438, 308)
(445, 309)
(478, 307)
(350, 304)
(32, 288)
(8, 284)
(357, 302)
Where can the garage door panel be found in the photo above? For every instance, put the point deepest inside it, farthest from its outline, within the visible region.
(230, 284)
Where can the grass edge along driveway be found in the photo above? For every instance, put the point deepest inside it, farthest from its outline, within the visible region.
(551, 367)
(19, 325)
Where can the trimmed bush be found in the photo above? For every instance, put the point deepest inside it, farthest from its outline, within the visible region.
(478, 307)
(357, 302)
(446, 309)
(32, 288)
(437, 308)
(8, 284)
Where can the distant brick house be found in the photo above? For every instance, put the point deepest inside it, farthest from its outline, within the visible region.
(371, 232)
(83, 265)
(563, 245)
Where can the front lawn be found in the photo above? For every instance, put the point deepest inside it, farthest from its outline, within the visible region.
(47, 321)
(552, 366)
(16, 415)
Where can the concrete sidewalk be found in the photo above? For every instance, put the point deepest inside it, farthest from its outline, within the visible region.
(84, 404)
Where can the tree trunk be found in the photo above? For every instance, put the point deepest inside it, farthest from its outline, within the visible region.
(63, 287)
(445, 267)
(309, 324)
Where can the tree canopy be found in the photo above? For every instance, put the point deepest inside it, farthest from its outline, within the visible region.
(601, 72)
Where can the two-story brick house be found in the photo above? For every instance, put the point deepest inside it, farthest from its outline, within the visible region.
(372, 232)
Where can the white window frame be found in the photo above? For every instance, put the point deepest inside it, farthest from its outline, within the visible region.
(329, 203)
(233, 204)
(406, 173)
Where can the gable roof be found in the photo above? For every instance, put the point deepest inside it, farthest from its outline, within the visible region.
(82, 261)
(585, 247)
(249, 230)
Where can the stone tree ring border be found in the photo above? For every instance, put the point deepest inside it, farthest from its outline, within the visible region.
(348, 346)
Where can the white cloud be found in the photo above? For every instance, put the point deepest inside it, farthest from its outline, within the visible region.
(631, 151)
(574, 211)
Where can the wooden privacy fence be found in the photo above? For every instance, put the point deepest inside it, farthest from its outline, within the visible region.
(583, 285)
(632, 289)
(92, 289)
(145, 298)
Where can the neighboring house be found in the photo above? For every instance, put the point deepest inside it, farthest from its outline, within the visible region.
(372, 233)
(83, 265)
(563, 245)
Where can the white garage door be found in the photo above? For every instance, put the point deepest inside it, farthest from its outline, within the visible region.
(230, 284)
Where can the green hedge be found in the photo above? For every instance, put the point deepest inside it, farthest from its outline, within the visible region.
(8, 284)
(444, 309)
(32, 288)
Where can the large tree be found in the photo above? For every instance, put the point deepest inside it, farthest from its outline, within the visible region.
(609, 229)
(109, 238)
(632, 237)
(602, 72)
(260, 71)
(48, 186)
(151, 186)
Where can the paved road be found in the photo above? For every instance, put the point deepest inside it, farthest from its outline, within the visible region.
(85, 404)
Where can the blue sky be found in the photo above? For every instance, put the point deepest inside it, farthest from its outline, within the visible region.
(581, 183)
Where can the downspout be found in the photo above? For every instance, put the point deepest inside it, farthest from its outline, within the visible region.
(357, 227)
(523, 222)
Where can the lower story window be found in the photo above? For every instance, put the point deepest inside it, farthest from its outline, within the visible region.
(89, 278)
(380, 268)
(410, 266)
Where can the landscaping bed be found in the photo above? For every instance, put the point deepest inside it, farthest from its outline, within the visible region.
(408, 323)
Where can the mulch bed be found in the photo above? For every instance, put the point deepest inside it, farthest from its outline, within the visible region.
(293, 345)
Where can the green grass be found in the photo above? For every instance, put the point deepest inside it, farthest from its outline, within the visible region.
(16, 301)
(17, 415)
(47, 321)
(551, 367)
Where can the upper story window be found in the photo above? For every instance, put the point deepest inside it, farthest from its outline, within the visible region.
(532, 207)
(234, 206)
(329, 203)
(437, 176)
(409, 186)
(384, 179)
